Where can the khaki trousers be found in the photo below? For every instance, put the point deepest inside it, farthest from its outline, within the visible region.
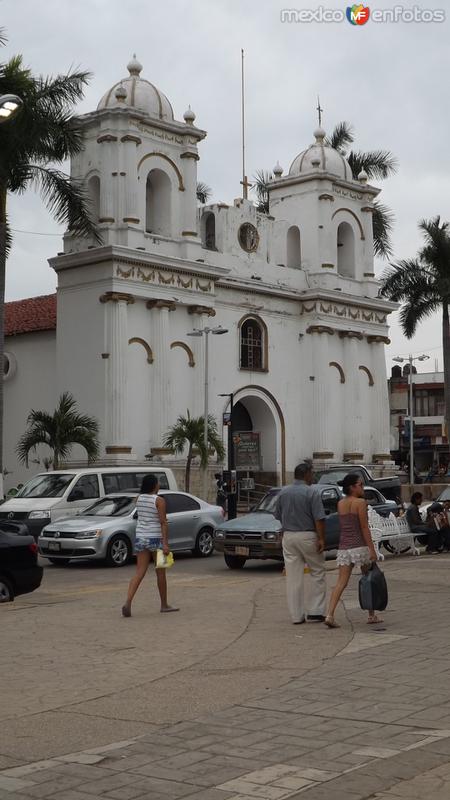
(300, 548)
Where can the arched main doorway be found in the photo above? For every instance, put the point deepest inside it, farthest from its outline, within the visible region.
(257, 411)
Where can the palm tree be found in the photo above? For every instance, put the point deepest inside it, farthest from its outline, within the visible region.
(189, 432)
(41, 136)
(203, 192)
(378, 164)
(59, 431)
(422, 285)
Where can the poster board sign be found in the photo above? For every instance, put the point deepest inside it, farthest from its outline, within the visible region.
(247, 450)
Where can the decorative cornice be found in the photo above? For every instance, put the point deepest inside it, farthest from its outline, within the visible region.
(135, 220)
(323, 455)
(195, 156)
(116, 297)
(351, 335)
(169, 304)
(353, 456)
(107, 137)
(114, 450)
(320, 329)
(378, 340)
(196, 309)
(130, 138)
(326, 196)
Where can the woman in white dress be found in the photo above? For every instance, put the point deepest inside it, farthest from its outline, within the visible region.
(151, 535)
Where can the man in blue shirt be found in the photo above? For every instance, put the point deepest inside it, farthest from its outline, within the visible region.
(300, 510)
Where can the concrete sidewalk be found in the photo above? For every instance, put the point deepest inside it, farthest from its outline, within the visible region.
(372, 721)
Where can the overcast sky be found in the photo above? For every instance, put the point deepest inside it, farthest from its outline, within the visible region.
(387, 79)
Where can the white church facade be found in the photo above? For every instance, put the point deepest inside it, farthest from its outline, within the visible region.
(295, 289)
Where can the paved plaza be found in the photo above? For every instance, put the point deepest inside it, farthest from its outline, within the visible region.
(227, 700)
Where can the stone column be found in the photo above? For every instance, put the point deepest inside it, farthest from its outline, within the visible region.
(189, 216)
(161, 388)
(198, 348)
(380, 408)
(117, 411)
(130, 177)
(353, 450)
(322, 410)
(108, 178)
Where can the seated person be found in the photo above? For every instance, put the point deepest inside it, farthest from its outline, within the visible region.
(440, 515)
(417, 526)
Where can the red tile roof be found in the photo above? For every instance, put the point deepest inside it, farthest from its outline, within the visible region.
(32, 314)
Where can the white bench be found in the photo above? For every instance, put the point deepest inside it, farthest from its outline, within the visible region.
(392, 529)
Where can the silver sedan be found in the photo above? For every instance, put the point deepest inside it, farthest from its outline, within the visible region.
(106, 529)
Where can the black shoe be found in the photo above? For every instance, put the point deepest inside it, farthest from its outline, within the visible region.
(315, 618)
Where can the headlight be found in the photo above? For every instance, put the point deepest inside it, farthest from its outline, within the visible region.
(88, 534)
(219, 534)
(271, 535)
(39, 515)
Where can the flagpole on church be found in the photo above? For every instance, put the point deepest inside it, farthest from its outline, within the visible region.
(244, 182)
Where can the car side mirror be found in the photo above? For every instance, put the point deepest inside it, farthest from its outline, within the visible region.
(77, 494)
(135, 515)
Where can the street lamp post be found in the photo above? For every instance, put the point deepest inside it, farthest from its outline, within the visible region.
(205, 332)
(411, 359)
(232, 496)
(9, 105)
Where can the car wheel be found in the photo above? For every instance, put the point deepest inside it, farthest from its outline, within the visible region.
(59, 562)
(204, 544)
(119, 551)
(234, 562)
(6, 591)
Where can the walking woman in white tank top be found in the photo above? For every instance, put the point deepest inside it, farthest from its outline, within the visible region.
(151, 535)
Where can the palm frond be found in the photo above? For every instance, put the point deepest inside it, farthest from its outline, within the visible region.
(415, 310)
(378, 164)
(62, 91)
(66, 199)
(261, 180)
(3, 37)
(405, 278)
(341, 136)
(383, 224)
(203, 192)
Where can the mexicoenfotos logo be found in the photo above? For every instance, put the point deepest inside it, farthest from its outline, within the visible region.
(358, 14)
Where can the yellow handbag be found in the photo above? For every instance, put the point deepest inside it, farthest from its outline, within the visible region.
(162, 561)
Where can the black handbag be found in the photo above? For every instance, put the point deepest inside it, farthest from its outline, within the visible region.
(373, 591)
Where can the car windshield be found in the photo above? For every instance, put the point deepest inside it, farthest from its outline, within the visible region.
(53, 484)
(445, 495)
(111, 507)
(268, 503)
(336, 476)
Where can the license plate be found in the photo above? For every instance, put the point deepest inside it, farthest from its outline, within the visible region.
(242, 551)
(54, 546)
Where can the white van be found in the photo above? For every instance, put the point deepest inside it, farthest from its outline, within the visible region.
(52, 495)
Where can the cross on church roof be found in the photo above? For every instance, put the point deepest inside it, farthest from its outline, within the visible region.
(319, 111)
(246, 185)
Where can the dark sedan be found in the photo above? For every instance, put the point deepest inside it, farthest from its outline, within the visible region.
(258, 534)
(19, 569)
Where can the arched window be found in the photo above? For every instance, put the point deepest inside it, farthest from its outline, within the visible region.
(293, 256)
(94, 196)
(253, 344)
(158, 203)
(209, 231)
(346, 250)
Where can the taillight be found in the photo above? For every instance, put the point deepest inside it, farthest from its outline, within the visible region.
(33, 547)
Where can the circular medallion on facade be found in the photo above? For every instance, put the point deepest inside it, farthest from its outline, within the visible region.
(248, 237)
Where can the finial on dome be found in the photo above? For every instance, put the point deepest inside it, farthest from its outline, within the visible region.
(121, 93)
(134, 66)
(319, 135)
(278, 170)
(189, 116)
(363, 176)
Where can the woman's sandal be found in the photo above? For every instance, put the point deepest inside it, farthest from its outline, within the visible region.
(330, 623)
(126, 611)
(375, 620)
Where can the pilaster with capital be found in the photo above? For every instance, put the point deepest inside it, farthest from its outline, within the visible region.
(189, 161)
(160, 407)
(353, 446)
(116, 401)
(130, 201)
(380, 408)
(108, 179)
(323, 418)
